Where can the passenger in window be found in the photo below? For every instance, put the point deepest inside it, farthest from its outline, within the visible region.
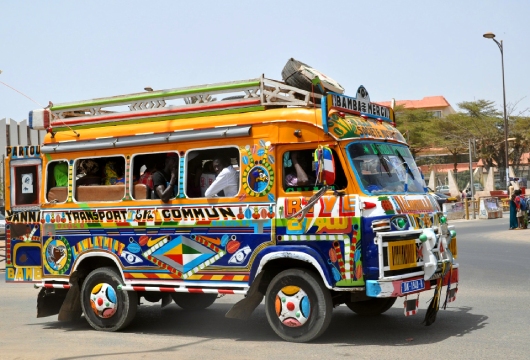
(60, 174)
(226, 182)
(164, 188)
(146, 176)
(207, 177)
(298, 169)
(114, 173)
(88, 173)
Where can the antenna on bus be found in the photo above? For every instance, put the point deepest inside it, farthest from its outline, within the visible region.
(20, 92)
(49, 105)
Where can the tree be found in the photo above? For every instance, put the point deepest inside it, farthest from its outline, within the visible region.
(479, 120)
(415, 125)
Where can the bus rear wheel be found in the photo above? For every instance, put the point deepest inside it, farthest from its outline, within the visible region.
(372, 307)
(298, 305)
(193, 302)
(105, 307)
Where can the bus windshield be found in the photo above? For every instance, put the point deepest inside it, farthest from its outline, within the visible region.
(385, 168)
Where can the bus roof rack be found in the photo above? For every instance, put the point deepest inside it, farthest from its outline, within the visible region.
(241, 96)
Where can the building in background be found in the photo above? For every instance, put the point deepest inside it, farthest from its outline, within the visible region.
(438, 105)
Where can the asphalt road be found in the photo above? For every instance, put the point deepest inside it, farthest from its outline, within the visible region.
(489, 320)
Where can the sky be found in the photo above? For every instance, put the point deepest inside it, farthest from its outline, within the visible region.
(65, 51)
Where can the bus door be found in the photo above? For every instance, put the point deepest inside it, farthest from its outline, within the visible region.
(332, 225)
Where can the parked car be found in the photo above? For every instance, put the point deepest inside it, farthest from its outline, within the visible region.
(2, 225)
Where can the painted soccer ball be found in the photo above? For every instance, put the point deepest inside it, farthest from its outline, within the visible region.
(292, 306)
(103, 300)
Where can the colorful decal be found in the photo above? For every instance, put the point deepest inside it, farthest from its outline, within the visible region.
(344, 254)
(183, 256)
(292, 305)
(23, 152)
(240, 256)
(98, 243)
(103, 300)
(347, 126)
(23, 216)
(258, 174)
(413, 204)
(386, 203)
(57, 254)
(130, 258)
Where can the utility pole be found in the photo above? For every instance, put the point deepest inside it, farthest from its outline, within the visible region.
(471, 185)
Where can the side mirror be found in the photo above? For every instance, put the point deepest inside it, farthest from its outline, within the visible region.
(324, 165)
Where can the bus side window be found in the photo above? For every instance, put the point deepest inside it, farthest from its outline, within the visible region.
(203, 168)
(299, 173)
(144, 166)
(100, 179)
(57, 181)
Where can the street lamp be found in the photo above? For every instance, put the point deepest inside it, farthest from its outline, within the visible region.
(491, 36)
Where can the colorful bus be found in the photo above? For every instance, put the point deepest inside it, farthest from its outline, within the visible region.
(326, 207)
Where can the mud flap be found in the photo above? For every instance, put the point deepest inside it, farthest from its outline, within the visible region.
(49, 301)
(244, 308)
(71, 308)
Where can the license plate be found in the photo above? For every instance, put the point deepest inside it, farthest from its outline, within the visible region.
(412, 285)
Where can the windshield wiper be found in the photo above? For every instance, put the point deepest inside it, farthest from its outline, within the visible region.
(405, 164)
(382, 160)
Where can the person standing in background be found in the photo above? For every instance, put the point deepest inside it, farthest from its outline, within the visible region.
(513, 209)
(519, 210)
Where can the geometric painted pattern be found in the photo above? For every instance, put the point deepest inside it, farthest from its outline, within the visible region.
(183, 256)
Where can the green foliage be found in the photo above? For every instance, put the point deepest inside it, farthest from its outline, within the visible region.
(415, 125)
(478, 120)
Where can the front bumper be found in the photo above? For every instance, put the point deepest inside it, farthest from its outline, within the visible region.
(386, 288)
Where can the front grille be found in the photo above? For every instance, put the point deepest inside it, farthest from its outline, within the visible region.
(402, 254)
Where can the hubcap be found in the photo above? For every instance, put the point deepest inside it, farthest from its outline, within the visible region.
(292, 306)
(103, 300)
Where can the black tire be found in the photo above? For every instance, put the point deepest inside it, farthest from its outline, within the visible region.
(110, 316)
(193, 302)
(372, 307)
(311, 304)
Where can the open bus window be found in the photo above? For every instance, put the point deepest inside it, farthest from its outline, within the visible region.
(204, 167)
(25, 175)
(299, 173)
(100, 179)
(144, 166)
(57, 181)
(385, 168)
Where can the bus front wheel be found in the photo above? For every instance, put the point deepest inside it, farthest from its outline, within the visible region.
(105, 307)
(298, 305)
